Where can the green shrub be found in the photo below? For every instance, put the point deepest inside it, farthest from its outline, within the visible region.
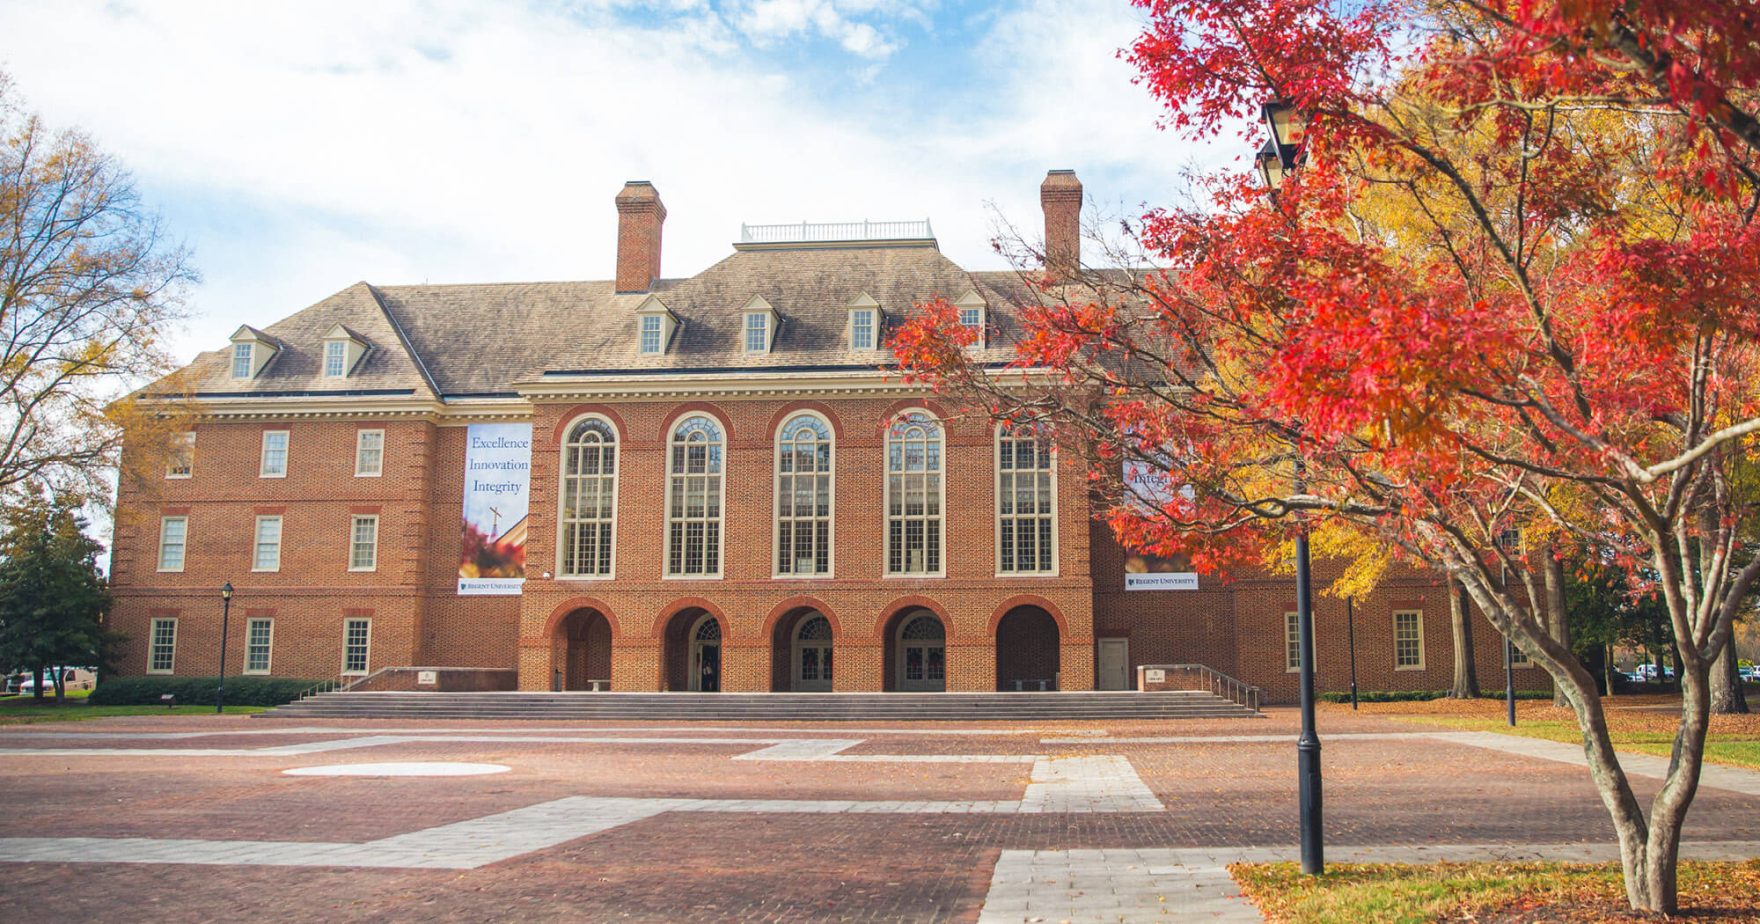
(240, 691)
(1418, 696)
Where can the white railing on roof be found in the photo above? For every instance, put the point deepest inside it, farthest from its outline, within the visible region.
(818, 231)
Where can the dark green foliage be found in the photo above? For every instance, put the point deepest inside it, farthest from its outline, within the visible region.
(240, 691)
(1418, 696)
(51, 594)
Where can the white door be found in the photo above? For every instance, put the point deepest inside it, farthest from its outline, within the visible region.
(1115, 662)
(922, 655)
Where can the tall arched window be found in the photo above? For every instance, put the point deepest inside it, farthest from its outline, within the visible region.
(1026, 503)
(589, 499)
(913, 495)
(693, 498)
(803, 496)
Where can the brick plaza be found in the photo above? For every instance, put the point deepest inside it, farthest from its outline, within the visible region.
(196, 819)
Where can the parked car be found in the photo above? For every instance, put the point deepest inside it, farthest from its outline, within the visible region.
(74, 678)
(1749, 674)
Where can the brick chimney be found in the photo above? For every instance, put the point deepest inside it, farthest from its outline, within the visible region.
(1061, 198)
(639, 217)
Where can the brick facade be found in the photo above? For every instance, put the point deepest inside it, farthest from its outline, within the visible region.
(434, 359)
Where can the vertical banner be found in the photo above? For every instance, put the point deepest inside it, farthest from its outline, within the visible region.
(497, 488)
(1148, 486)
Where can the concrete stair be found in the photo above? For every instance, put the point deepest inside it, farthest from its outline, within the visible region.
(766, 707)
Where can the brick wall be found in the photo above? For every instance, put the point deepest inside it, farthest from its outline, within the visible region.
(418, 618)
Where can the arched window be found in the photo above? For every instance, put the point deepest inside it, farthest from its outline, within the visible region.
(913, 495)
(589, 499)
(693, 498)
(803, 496)
(1026, 503)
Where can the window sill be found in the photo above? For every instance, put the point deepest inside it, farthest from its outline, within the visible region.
(170, 477)
(1409, 667)
(914, 575)
(165, 671)
(584, 577)
(169, 571)
(1027, 574)
(792, 576)
(262, 475)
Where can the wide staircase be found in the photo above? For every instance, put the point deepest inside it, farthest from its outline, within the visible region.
(768, 707)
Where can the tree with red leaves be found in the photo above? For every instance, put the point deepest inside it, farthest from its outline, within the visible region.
(1509, 292)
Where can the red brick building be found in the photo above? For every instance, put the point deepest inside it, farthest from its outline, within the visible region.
(710, 482)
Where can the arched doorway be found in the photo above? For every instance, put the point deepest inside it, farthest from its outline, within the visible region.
(920, 654)
(693, 651)
(810, 655)
(583, 644)
(706, 655)
(1026, 650)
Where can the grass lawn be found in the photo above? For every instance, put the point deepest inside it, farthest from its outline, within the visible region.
(1486, 892)
(1639, 724)
(27, 711)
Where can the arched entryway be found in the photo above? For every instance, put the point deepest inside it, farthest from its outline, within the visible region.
(919, 653)
(583, 646)
(1026, 650)
(801, 652)
(693, 651)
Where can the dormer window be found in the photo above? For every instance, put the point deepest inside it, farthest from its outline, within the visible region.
(251, 351)
(759, 329)
(971, 315)
(757, 332)
(654, 326)
(864, 323)
(335, 359)
(343, 349)
(861, 329)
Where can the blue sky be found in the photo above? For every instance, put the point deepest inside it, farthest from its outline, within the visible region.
(300, 147)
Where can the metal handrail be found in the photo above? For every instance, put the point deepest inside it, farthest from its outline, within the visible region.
(1221, 684)
(811, 231)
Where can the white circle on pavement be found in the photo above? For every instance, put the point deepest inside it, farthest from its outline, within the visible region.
(399, 768)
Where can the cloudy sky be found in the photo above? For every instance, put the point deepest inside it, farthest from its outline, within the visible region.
(301, 146)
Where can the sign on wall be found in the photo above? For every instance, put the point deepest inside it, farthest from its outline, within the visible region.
(497, 486)
(1150, 487)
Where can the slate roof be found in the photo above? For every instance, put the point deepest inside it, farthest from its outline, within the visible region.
(457, 340)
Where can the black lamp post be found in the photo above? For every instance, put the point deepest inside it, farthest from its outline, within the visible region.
(225, 620)
(1276, 160)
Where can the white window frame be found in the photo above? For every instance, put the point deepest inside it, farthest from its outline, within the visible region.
(360, 440)
(336, 353)
(830, 517)
(182, 546)
(257, 540)
(366, 647)
(757, 324)
(720, 518)
(286, 451)
(1292, 642)
(153, 645)
(1004, 435)
(183, 449)
(354, 525)
(246, 352)
(872, 316)
(656, 330)
(1418, 622)
(1518, 659)
(250, 626)
(940, 496)
(564, 475)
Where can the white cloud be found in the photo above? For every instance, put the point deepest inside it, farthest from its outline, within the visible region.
(302, 147)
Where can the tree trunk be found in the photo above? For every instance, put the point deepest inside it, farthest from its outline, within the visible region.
(60, 687)
(1727, 697)
(37, 682)
(1559, 621)
(1607, 668)
(1466, 675)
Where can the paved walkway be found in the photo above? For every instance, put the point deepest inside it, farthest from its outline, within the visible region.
(191, 819)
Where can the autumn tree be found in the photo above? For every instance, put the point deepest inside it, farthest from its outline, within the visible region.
(89, 288)
(1508, 292)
